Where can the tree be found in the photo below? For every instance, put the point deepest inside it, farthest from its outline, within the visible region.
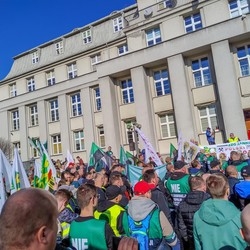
(7, 148)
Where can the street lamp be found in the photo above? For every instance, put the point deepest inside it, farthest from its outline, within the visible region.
(131, 128)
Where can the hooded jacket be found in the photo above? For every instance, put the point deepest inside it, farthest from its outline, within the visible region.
(216, 226)
(159, 226)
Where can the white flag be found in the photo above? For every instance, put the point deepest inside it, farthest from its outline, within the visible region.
(70, 160)
(180, 146)
(19, 176)
(5, 178)
(149, 150)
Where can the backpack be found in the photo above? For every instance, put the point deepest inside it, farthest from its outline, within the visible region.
(139, 230)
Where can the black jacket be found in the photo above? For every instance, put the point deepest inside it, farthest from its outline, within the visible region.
(185, 213)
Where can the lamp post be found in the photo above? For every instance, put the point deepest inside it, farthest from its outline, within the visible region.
(131, 127)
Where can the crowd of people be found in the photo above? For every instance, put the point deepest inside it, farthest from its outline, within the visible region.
(201, 205)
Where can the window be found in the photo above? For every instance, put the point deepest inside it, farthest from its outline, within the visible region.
(208, 117)
(123, 49)
(13, 91)
(193, 22)
(59, 48)
(201, 72)
(161, 80)
(72, 71)
(243, 54)
(167, 125)
(31, 84)
(15, 120)
(56, 144)
(54, 110)
(118, 24)
(86, 36)
(169, 3)
(238, 7)
(50, 76)
(127, 91)
(153, 36)
(97, 97)
(76, 106)
(79, 140)
(35, 57)
(101, 136)
(95, 59)
(33, 112)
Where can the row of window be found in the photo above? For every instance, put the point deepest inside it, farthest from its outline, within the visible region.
(153, 36)
(201, 71)
(207, 114)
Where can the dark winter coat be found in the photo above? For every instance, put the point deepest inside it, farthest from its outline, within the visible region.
(185, 214)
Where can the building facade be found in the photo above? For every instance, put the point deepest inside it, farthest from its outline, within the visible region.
(171, 66)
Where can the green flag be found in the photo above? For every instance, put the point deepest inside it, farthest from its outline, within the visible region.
(123, 156)
(172, 150)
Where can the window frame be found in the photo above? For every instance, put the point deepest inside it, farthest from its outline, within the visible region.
(97, 99)
(78, 136)
(54, 110)
(75, 104)
(245, 58)
(95, 59)
(127, 91)
(124, 48)
(56, 143)
(155, 38)
(33, 115)
(72, 70)
(193, 23)
(101, 136)
(204, 79)
(165, 88)
(59, 47)
(35, 57)
(13, 89)
(240, 9)
(207, 116)
(168, 123)
(31, 85)
(118, 24)
(87, 36)
(50, 78)
(15, 120)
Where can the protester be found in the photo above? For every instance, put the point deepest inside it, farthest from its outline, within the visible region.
(29, 221)
(233, 138)
(196, 168)
(112, 210)
(80, 238)
(242, 189)
(160, 231)
(178, 182)
(187, 208)
(210, 136)
(217, 223)
(245, 220)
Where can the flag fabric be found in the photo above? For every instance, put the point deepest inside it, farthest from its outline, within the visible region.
(123, 156)
(180, 146)
(35, 144)
(149, 150)
(190, 150)
(19, 178)
(5, 178)
(37, 173)
(99, 159)
(130, 158)
(173, 150)
(48, 171)
(70, 160)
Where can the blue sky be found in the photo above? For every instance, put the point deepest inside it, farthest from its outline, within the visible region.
(25, 24)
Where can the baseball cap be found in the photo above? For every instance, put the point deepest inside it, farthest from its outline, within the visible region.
(245, 171)
(112, 192)
(142, 187)
(179, 164)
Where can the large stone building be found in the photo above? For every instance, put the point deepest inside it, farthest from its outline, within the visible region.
(170, 66)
